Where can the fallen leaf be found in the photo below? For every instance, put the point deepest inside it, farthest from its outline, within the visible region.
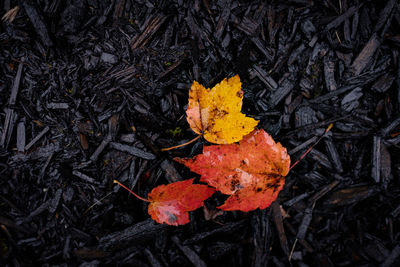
(171, 203)
(252, 171)
(216, 113)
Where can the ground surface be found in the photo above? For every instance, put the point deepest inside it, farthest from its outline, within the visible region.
(91, 90)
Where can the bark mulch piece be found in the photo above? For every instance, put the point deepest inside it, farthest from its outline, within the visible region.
(92, 90)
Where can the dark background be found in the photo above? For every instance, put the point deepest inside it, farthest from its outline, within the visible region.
(91, 90)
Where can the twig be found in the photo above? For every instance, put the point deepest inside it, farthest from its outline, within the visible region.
(308, 150)
(130, 191)
(292, 250)
(181, 145)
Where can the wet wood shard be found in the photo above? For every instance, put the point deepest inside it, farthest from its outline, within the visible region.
(392, 257)
(135, 234)
(278, 221)
(333, 155)
(43, 170)
(21, 137)
(265, 78)
(85, 177)
(132, 150)
(321, 158)
(390, 127)
(376, 159)
(118, 10)
(308, 212)
(259, 44)
(302, 242)
(295, 55)
(152, 259)
(10, 14)
(223, 19)
(349, 195)
(329, 95)
(393, 141)
(350, 100)
(57, 105)
(11, 224)
(329, 72)
(340, 19)
(305, 222)
(194, 27)
(365, 56)
(303, 145)
(248, 26)
(37, 137)
(10, 117)
(284, 88)
(384, 15)
(91, 254)
(38, 21)
(43, 207)
(55, 201)
(171, 173)
(262, 232)
(171, 68)
(131, 174)
(386, 168)
(316, 179)
(227, 228)
(395, 212)
(383, 83)
(296, 199)
(323, 191)
(99, 149)
(151, 26)
(305, 116)
(190, 254)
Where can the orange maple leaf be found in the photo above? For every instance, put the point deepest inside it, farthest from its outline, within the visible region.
(216, 113)
(171, 203)
(252, 171)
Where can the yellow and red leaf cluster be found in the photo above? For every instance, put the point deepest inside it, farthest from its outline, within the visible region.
(252, 171)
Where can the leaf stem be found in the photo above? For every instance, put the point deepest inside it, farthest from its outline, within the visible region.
(130, 191)
(308, 150)
(181, 145)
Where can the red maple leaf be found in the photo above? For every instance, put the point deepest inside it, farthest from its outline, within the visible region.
(252, 171)
(171, 203)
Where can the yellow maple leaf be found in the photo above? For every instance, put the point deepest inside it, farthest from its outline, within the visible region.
(216, 113)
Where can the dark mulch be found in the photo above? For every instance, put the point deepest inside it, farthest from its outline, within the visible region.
(91, 90)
